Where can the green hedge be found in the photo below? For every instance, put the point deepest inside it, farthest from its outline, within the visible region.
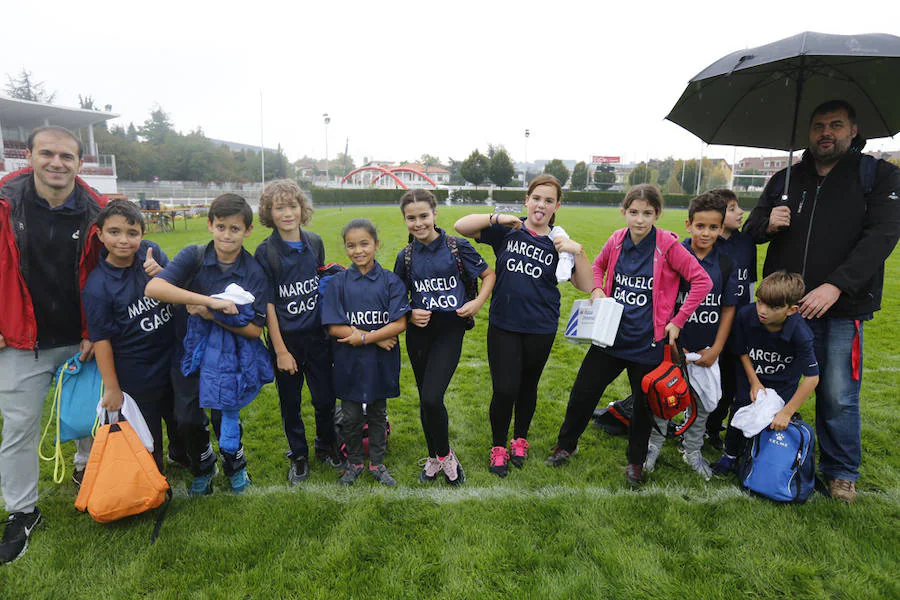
(355, 196)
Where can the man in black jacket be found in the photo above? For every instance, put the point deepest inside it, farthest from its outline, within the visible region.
(839, 223)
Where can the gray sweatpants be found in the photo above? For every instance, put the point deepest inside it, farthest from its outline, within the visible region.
(692, 440)
(24, 383)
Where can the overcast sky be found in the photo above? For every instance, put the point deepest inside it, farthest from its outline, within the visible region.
(400, 79)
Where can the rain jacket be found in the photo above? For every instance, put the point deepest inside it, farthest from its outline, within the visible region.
(17, 322)
(671, 262)
(838, 234)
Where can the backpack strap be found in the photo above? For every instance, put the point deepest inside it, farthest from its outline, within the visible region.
(162, 515)
(315, 240)
(273, 260)
(407, 264)
(470, 286)
(200, 250)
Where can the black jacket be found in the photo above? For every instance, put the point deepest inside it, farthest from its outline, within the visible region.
(838, 234)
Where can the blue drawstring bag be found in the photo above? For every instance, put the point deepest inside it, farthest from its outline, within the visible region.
(73, 413)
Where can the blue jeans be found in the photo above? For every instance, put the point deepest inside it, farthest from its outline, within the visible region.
(838, 422)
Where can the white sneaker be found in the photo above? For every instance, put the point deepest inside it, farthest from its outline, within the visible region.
(698, 464)
(453, 471)
(432, 467)
(652, 456)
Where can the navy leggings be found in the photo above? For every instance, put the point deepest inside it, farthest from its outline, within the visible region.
(516, 361)
(434, 353)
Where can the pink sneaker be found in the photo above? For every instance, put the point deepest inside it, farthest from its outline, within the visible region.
(499, 456)
(518, 450)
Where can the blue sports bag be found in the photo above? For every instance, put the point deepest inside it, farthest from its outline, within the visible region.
(78, 389)
(781, 465)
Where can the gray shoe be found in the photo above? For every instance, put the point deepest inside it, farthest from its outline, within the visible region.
(299, 471)
(559, 456)
(350, 474)
(381, 475)
(652, 456)
(698, 464)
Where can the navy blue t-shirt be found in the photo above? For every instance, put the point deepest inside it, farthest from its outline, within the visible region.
(140, 329)
(742, 251)
(435, 277)
(210, 280)
(633, 288)
(295, 294)
(367, 302)
(702, 326)
(525, 297)
(779, 357)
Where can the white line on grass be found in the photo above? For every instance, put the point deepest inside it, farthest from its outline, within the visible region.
(443, 494)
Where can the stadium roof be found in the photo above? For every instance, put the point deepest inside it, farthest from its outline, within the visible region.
(28, 115)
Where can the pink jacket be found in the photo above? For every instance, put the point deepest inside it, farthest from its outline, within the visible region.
(671, 262)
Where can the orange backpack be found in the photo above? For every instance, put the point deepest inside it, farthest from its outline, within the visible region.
(121, 478)
(669, 391)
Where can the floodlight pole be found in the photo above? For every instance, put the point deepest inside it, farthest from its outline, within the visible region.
(327, 121)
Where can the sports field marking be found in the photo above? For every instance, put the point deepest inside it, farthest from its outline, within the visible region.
(443, 494)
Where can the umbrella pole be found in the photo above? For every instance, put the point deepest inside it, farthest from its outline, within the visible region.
(787, 178)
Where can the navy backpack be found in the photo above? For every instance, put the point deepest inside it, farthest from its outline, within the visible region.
(781, 465)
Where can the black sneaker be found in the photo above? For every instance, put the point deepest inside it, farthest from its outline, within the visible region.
(634, 475)
(334, 458)
(15, 536)
(78, 477)
(181, 460)
(299, 471)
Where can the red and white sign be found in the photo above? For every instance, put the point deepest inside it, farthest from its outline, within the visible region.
(606, 160)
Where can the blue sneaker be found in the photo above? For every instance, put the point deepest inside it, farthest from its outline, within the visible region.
(240, 481)
(725, 465)
(202, 484)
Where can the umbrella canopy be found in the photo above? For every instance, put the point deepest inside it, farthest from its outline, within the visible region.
(762, 97)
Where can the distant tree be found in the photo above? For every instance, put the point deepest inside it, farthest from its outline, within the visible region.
(605, 176)
(718, 176)
(24, 87)
(556, 168)
(454, 166)
(663, 169)
(689, 179)
(338, 166)
(430, 161)
(579, 176)
(502, 169)
(475, 168)
(672, 185)
(155, 128)
(640, 174)
(132, 133)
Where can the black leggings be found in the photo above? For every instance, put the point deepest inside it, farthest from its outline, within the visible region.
(598, 370)
(516, 361)
(729, 362)
(434, 353)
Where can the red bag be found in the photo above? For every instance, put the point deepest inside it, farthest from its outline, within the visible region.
(669, 393)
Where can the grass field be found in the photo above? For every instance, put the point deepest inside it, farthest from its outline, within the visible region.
(572, 532)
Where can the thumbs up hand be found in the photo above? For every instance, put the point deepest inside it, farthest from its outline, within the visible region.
(151, 267)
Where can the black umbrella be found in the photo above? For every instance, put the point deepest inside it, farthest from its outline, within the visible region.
(755, 97)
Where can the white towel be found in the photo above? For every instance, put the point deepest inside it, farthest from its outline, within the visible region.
(758, 415)
(566, 259)
(707, 381)
(132, 414)
(236, 294)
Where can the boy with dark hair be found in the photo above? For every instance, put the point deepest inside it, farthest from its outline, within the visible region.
(776, 350)
(132, 334)
(190, 279)
(739, 247)
(706, 330)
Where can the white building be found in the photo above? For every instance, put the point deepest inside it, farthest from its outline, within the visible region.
(19, 117)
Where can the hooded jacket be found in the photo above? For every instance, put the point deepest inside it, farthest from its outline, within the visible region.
(838, 234)
(671, 262)
(17, 322)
